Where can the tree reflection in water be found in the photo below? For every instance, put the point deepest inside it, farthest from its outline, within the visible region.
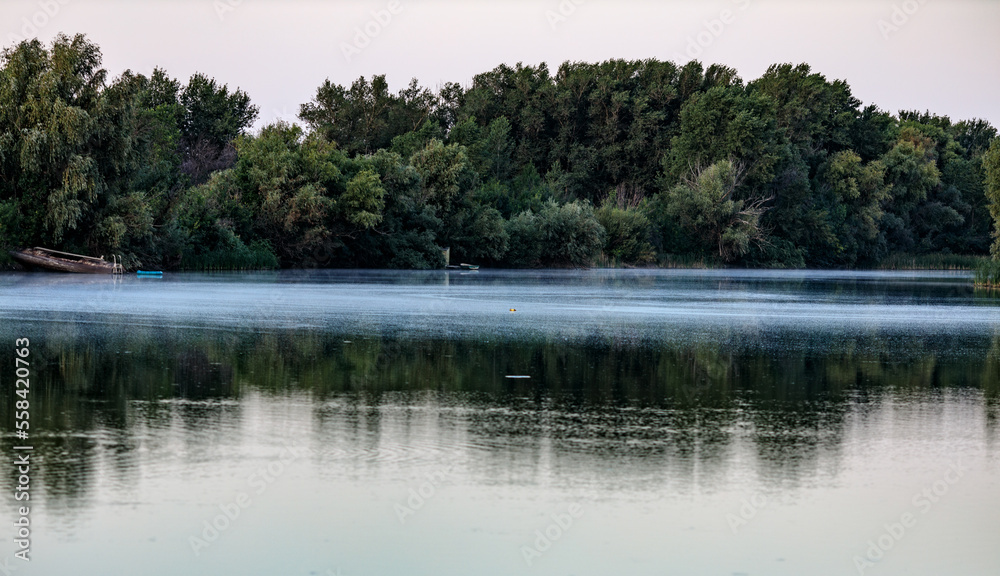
(102, 395)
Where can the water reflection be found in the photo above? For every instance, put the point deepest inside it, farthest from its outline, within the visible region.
(659, 399)
(118, 400)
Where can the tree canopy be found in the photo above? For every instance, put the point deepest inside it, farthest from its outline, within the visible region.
(627, 162)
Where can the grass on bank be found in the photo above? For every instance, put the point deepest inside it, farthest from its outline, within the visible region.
(931, 262)
(956, 262)
(669, 261)
(987, 274)
(899, 261)
(257, 256)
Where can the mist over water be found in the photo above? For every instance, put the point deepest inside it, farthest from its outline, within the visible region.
(717, 422)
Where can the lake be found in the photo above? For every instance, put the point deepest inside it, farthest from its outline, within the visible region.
(352, 423)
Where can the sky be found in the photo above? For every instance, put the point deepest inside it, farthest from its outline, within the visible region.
(937, 55)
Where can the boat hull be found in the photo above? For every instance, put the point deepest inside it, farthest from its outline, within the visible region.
(37, 260)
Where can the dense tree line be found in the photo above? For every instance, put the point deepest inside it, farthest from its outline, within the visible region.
(626, 162)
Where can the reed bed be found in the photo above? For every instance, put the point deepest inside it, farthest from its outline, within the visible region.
(256, 257)
(930, 262)
(987, 274)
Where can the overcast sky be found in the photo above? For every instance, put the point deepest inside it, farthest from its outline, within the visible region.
(941, 55)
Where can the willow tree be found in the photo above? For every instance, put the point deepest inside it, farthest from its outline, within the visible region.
(66, 149)
(706, 208)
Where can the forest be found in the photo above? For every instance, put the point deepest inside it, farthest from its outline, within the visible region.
(618, 163)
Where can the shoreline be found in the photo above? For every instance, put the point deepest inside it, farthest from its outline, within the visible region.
(894, 262)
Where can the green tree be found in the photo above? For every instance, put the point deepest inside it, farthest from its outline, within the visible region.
(627, 231)
(813, 114)
(873, 133)
(211, 117)
(494, 151)
(446, 174)
(557, 235)
(526, 191)
(366, 117)
(447, 183)
(363, 201)
(705, 208)
(407, 235)
(67, 151)
(408, 144)
(911, 168)
(212, 113)
(298, 193)
(856, 193)
(158, 140)
(991, 164)
(726, 123)
(975, 136)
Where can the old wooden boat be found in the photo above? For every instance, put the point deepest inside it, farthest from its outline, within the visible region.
(55, 261)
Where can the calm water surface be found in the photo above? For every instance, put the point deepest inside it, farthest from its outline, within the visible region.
(617, 422)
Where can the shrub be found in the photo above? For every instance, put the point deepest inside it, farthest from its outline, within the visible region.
(557, 235)
(627, 234)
